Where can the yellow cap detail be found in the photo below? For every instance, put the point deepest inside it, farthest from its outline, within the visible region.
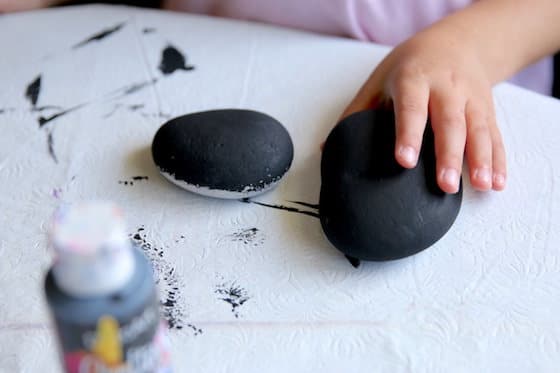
(107, 346)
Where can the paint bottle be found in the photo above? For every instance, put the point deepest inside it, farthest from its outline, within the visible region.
(102, 295)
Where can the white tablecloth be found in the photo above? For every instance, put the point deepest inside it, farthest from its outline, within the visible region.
(485, 298)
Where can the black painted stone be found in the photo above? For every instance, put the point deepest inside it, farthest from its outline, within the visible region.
(371, 208)
(226, 153)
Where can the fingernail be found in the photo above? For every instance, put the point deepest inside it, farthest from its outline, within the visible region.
(499, 180)
(483, 174)
(408, 154)
(450, 176)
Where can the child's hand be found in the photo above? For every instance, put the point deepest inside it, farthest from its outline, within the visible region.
(442, 76)
(21, 5)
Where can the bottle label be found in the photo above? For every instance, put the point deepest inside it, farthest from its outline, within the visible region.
(138, 346)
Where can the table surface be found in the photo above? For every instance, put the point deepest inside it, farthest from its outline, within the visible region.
(82, 96)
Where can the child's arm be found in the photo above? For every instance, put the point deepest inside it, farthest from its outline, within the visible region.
(448, 70)
(21, 5)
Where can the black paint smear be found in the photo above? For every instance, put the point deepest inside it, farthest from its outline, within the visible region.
(158, 115)
(248, 236)
(133, 88)
(132, 108)
(173, 60)
(148, 30)
(100, 35)
(46, 107)
(50, 144)
(281, 207)
(134, 178)
(234, 295)
(43, 120)
(33, 90)
(5, 110)
(306, 204)
(136, 107)
(168, 281)
(354, 261)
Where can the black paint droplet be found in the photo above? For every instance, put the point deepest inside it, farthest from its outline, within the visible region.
(33, 90)
(100, 35)
(355, 262)
(148, 30)
(248, 236)
(173, 60)
(50, 144)
(232, 294)
(132, 180)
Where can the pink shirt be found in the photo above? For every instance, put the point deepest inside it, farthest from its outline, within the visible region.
(387, 22)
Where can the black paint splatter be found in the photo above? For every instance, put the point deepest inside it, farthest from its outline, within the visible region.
(148, 30)
(157, 115)
(44, 120)
(135, 107)
(281, 207)
(133, 179)
(306, 204)
(354, 261)
(46, 107)
(100, 35)
(173, 60)
(33, 90)
(6, 110)
(168, 281)
(133, 88)
(249, 236)
(50, 144)
(232, 294)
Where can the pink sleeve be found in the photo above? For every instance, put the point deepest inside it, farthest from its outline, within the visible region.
(386, 22)
(383, 21)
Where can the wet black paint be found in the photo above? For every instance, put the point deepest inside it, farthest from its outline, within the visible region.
(168, 281)
(306, 204)
(46, 107)
(173, 60)
(232, 294)
(355, 262)
(32, 91)
(248, 236)
(133, 179)
(133, 88)
(44, 120)
(281, 207)
(50, 145)
(100, 35)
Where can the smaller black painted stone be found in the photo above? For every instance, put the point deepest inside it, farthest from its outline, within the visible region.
(371, 208)
(223, 153)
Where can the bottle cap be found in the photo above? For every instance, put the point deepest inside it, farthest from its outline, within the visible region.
(93, 254)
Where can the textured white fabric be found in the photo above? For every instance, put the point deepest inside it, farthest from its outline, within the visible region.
(484, 298)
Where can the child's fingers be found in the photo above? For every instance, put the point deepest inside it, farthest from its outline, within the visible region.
(410, 102)
(498, 158)
(448, 122)
(479, 145)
